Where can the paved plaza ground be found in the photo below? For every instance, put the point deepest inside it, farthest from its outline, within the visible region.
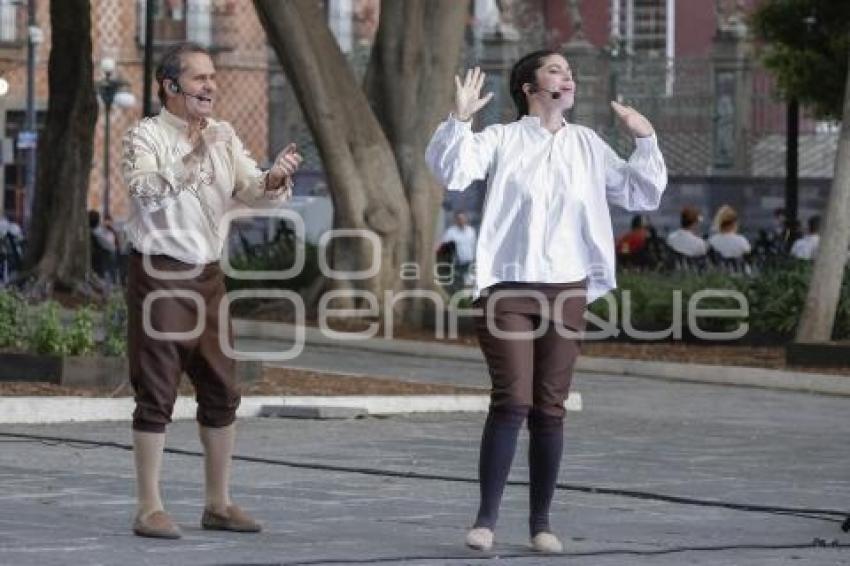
(401, 489)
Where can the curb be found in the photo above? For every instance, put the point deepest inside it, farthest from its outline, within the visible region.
(741, 376)
(45, 410)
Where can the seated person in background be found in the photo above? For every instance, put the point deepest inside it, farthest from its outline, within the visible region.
(633, 241)
(685, 240)
(807, 246)
(727, 242)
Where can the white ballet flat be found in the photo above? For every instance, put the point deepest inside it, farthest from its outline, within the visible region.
(546, 543)
(480, 538)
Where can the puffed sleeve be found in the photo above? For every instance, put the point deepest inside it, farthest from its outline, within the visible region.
(457, 157)
(153, 175)
(636, 184)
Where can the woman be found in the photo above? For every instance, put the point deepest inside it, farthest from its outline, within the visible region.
(727, 241)
(545, 248)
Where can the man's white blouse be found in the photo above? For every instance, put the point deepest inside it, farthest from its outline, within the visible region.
(177, 211)
(546, 216)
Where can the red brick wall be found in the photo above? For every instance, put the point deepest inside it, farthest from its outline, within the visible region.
(241, 77)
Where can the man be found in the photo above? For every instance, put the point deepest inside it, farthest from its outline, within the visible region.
(685, 240)
(462, 235)
(184, 171)
(807, 246)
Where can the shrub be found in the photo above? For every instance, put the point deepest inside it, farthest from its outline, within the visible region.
(115, 326)
(13, 321)
(79, 337)
(47, 335)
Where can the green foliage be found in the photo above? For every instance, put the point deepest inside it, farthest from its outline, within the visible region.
(652, 298)
(48, 336)
(79, 337)
(41, 330)
(115, 326)
(13, 321)
(807, 43)
(775, 298)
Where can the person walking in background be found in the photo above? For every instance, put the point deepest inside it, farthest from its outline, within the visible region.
(462, 237)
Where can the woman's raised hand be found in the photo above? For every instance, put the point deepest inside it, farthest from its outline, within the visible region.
(468, 98)
(632, 121)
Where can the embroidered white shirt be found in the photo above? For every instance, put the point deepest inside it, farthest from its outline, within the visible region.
(546, 217)
(177, 211)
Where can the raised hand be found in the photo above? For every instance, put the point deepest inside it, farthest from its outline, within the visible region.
(632, 120)
(203, 136)
(468, 98)
(285, 165)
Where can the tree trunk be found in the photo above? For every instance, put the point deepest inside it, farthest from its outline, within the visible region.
(58, 249)
(373, 150)
(818, 316)
(363, 178)
(409, 85)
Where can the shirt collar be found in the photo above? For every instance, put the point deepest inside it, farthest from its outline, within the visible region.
(176, 121)
(534, 122)
(173, 120)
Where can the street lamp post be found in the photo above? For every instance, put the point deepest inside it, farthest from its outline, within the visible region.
(108, 88)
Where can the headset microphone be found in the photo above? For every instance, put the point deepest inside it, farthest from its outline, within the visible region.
(175, 88)
(555, 94)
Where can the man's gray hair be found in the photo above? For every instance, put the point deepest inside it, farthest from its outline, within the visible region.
(171, 64)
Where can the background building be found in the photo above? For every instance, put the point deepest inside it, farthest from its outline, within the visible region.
(230, 28)
(690, 65)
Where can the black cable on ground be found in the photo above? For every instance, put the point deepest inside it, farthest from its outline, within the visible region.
(544, 557)
(828, 515)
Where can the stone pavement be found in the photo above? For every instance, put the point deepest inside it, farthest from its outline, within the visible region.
(333, 492)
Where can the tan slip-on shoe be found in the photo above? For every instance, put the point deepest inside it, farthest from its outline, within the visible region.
(235, 520)
(156, 525)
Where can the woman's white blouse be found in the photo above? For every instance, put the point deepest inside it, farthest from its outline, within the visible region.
(546, 216)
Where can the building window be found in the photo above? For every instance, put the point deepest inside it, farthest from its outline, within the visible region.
(177, 20)
(9, 24)
(644, 27)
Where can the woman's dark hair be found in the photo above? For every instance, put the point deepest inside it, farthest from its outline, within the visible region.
(525, 71)
(171, 64)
